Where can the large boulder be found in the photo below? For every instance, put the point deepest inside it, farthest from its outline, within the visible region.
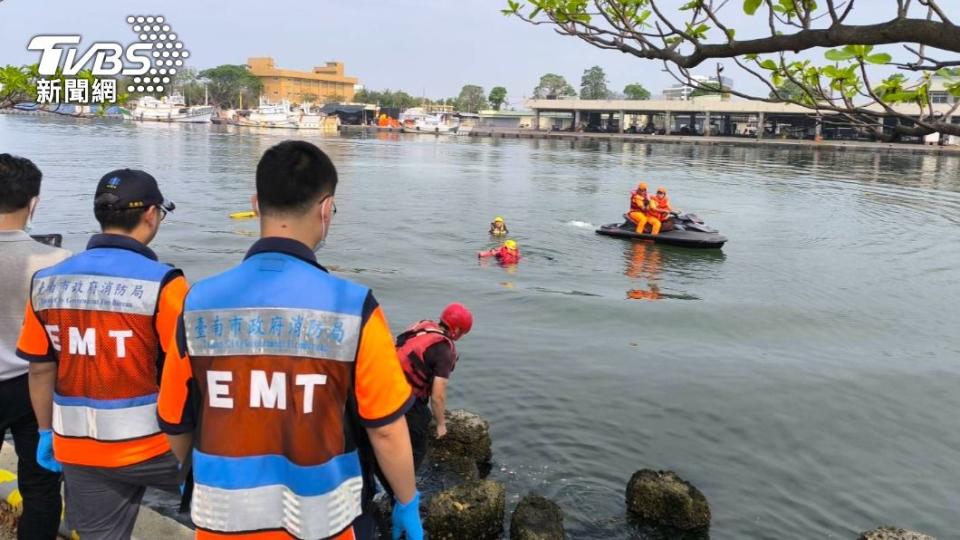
(893, 533)
(8, 520)
(536, 518)
(663, 499)
(471, 510)
(468, 436)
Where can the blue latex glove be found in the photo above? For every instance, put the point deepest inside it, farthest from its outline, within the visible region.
(45, 452)
(406, 519)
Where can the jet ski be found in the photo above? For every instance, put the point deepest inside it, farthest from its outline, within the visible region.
(688, 231)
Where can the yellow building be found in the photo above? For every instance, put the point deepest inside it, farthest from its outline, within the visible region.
(322, 84)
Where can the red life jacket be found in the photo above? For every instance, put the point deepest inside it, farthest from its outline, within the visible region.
(419, 338)
(506, 256)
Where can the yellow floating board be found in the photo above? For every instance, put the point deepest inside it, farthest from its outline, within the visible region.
(243, 215)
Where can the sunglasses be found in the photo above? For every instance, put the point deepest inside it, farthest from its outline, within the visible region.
(661, 193)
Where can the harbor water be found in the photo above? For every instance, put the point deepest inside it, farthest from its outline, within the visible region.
(804, 378)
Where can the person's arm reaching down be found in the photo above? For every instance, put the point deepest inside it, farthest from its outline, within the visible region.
(438, 402)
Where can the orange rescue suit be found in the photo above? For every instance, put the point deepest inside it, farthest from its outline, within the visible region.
(640, 205)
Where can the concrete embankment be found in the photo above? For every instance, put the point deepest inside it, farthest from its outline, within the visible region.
(717, 141)
(853, 146)
(150, 525)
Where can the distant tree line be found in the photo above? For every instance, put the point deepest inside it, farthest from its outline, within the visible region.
(232, 85)
(593, 85)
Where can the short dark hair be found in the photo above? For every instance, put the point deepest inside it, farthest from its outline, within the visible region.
(293, 175)
(125, 219)
(19, 182)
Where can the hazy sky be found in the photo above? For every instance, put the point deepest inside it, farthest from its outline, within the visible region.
(430, 47)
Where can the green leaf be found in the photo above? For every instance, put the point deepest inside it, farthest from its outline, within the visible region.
(750, 6)
(730, 33)
(831, 71)
(837, 55)
(899, 97)
(948, 73)
(954, 89)
(769, 64)
(750, 57)
(536, 12)
(879, 58)
(777, 79)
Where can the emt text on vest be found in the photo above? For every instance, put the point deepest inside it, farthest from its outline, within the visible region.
(265, 394)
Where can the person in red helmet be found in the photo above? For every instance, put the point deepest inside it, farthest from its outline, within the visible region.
(428, 355)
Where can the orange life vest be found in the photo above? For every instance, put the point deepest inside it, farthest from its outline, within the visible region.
(419, 338)
(659, 208)
(639, 203)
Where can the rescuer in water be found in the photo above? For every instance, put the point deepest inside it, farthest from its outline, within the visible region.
(508, 253)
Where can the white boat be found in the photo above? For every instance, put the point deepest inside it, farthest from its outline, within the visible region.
(271, 115)
(306, 117)
(418, 120)
(170, 109)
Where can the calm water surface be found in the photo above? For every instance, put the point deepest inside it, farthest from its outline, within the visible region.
(805, 378)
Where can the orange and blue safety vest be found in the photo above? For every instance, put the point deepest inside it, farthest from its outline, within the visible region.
(275, 358)
(104, 315)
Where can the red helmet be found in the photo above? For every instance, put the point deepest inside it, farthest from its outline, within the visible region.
(457, 318)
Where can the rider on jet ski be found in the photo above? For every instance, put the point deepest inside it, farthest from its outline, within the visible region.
(659, 213)
(650, 210)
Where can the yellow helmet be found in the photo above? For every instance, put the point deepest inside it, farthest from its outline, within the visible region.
(510, 244)
(498, 219)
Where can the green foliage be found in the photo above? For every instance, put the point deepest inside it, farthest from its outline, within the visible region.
(593, 85)
(708, 89)
(227, 82)
(471, 99)
(858, 52)
(951, 81)
(636, 91)
(553, 86)
(498, 95)
(789, 90)
(387, 98)
(680, 33)
(16, 85)
(187, 81)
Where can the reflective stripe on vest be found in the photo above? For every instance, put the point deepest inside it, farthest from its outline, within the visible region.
(99, 309)
(272, 346)
(423, 335)
(237, 494)
(105, 420)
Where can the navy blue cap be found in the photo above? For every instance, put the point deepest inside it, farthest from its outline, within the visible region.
(124, 189)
